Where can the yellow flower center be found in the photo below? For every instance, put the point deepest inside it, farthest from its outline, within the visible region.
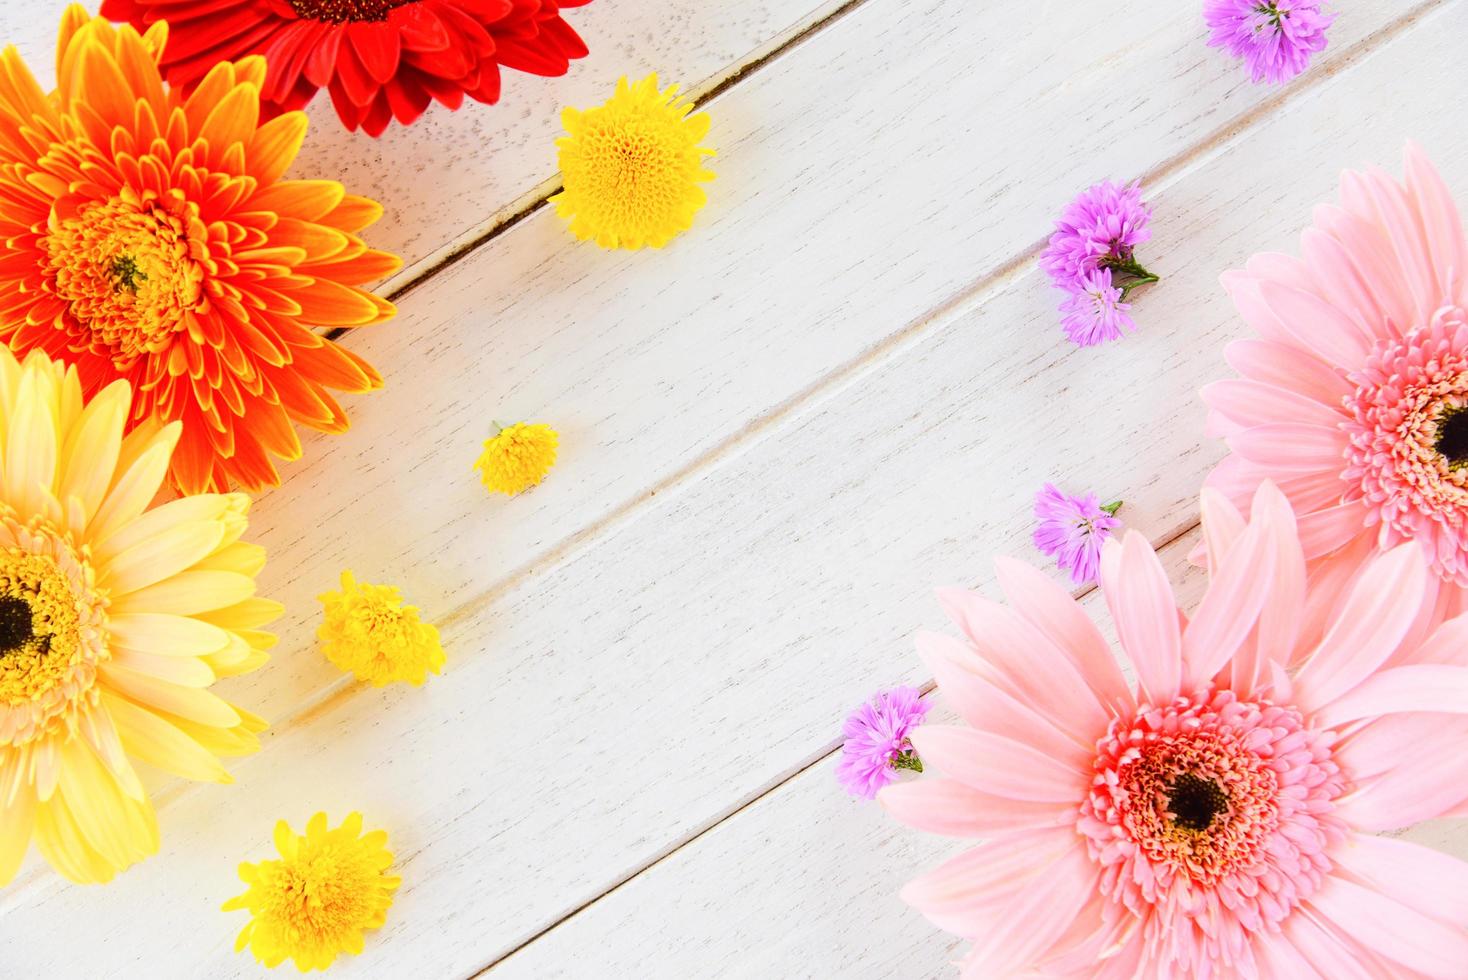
(123, 266)
(52, 630)
(321, 894)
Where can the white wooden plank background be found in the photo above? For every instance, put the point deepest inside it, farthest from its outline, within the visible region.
(840, 389)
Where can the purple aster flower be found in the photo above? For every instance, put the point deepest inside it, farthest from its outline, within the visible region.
(876, 741)
(1072, 530)
(1275, 37)
(1101, 227)
(1095, 313)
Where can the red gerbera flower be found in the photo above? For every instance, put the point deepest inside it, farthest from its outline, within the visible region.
(380, 59)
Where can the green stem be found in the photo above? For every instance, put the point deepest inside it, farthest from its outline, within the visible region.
(908, 760)
(1112, 507)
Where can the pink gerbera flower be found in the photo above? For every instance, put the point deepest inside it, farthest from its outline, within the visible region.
(1219, 821)
(1352, 397)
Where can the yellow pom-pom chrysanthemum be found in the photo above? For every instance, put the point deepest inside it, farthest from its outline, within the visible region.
(115, 618)
(314, 903)
(631, 168)
(369, 632)
(517, 457)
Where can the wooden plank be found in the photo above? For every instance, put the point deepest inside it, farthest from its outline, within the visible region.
(803, 881)
(656, 367)
(450, 178)
(602, 712)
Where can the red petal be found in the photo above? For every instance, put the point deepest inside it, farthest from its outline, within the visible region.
(321, 66)
(419, 27)
(356, 83)
(376, 45)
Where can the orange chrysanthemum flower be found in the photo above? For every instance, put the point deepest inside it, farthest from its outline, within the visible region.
(151, 238)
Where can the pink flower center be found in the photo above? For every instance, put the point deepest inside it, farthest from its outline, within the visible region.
(1210, 818)
(1408, 455)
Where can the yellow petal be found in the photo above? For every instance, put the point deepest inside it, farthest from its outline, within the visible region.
(16, 821)
(161, 556)
(186, 702)
(163, 635)
(183, 671)
(138, 483)
(89, 459)
(188, 593)
(161, 744)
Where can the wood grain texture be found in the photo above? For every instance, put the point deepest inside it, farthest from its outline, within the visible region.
(603, 710)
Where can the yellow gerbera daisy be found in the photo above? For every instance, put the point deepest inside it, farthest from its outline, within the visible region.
(369, 632)
(115, 617)
(314, 903)
(631, 168)
(517, 457)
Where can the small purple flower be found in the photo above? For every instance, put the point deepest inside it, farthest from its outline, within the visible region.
(1072, 530)
(1094, 313)
(876, 741)
(1275, 37)
(1102, 226)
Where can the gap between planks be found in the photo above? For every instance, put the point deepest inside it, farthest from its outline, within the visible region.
(824, 754)
(539, 196)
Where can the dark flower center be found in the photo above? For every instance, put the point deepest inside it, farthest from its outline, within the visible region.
(340, 11)
(126, 274)
(1195, 801)
(15, 624)
(1452, 436)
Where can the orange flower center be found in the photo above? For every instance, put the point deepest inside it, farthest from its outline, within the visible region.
(337, 11)
(124, 269)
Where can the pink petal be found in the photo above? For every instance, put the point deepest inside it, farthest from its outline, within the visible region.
(1424, 782)
(1433, 883)
(1052, 610)
(1047, 905)
(1343, 281)
(964, 895)
(1331, 955)
(1236, 592)
(1413, 688)
(1279, 620)
(995, 764)
(1380, 745)
(1145, 613)
(1324, 531)
(1448, 644)
(1286, 366)
(1223, 525)
(1393, 930)
(1316, 325)
(1251, 403)
(946, 806)
(1363, 238)
(1440, 221)
(985, 706)
(1243, 289)
(1404, 229)
(1031, 666)
(1382, 607)
(1291, 447)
